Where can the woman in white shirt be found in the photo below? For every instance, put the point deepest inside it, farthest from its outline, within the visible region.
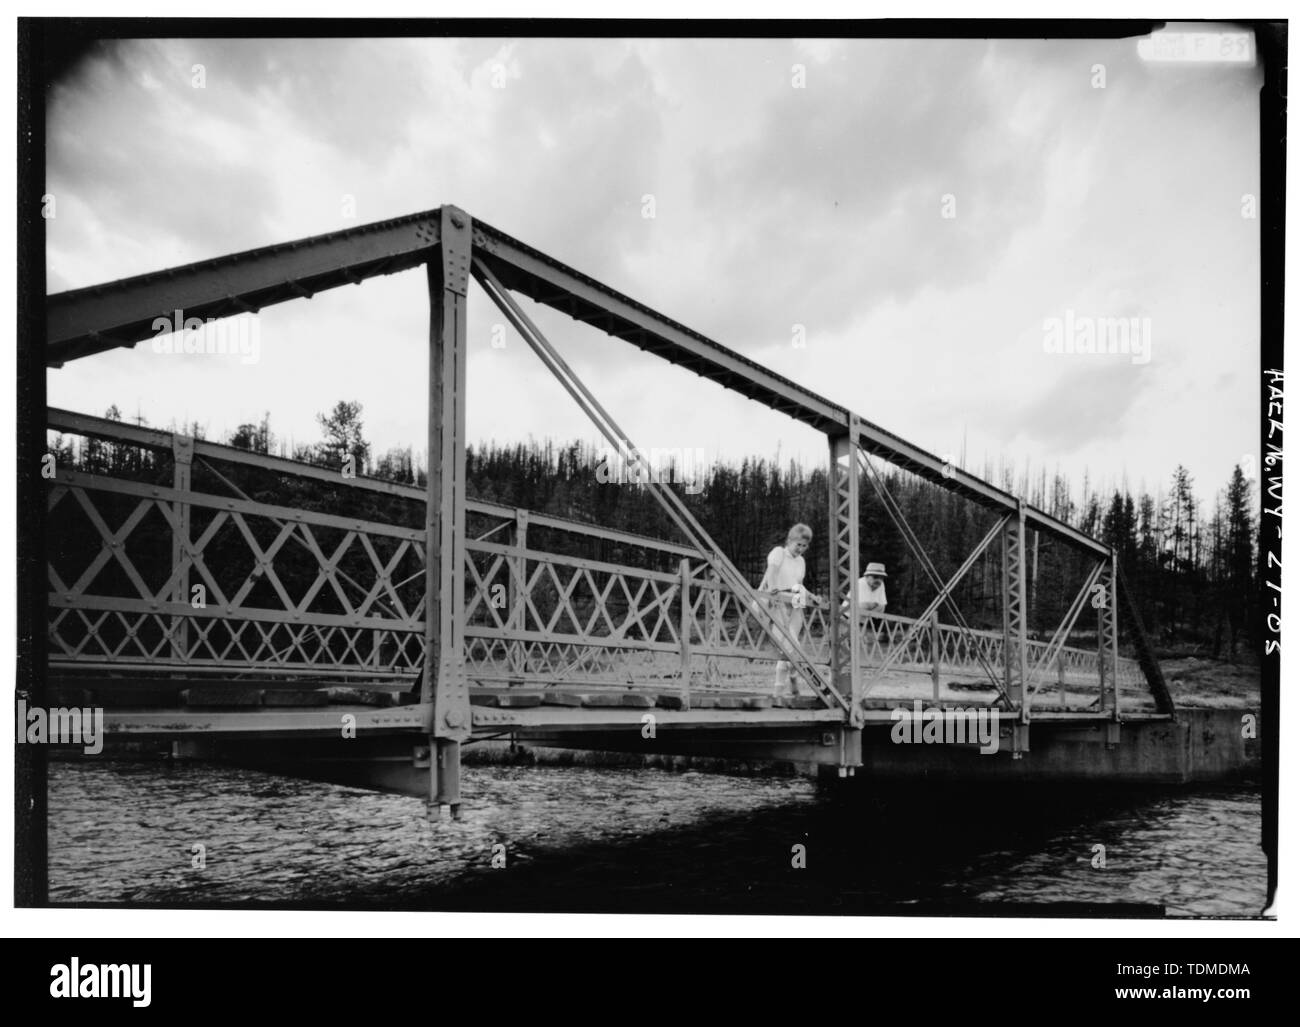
(783, 583)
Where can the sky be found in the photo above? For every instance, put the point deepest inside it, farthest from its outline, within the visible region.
(894, 224)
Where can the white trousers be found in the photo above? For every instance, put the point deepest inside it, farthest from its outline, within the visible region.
(792, 620)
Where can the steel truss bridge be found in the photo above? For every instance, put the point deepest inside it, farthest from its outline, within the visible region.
(191, 608)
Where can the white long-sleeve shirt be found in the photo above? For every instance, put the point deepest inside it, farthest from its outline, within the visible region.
(784, 572)
(864, 595)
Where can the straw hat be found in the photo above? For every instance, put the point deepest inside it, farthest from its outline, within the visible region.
(875, 570)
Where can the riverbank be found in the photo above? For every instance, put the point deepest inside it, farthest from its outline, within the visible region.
(1211, 684)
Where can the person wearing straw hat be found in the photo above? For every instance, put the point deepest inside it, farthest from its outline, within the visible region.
(868, 591)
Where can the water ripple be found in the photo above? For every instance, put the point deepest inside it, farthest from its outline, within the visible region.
(582, 838)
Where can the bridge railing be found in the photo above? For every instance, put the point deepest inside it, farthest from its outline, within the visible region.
(728, 645)
(149, 577)
(538, 619)
(145, 577)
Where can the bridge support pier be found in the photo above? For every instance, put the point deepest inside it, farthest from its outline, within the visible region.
(444, 777)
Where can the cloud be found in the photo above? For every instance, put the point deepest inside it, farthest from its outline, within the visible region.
(773, 205)
(1089, 402)
(837, 203)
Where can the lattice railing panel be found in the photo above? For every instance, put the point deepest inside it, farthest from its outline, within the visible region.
(235, 586)
(297, 592)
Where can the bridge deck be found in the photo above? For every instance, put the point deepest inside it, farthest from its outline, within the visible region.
(495, 711)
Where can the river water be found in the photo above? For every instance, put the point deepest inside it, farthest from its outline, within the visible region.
(586, 839)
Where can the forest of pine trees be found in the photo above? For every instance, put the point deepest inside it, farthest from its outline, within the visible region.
(1192, 566)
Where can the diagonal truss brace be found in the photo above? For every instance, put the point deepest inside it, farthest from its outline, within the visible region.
(787, 644)
(1062, 632)
(918, 552)
(945, 591)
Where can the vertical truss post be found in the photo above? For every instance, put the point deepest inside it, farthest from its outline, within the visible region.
(1101, 659)
(1108, 636)
(445, 685)
(1112, 601)
(936, 651)
(1033, 576)
(1015, 611)
(712, 627)
(685, 596)
(1101, 601)
(518, 590)
(182, 466)
(845, 632)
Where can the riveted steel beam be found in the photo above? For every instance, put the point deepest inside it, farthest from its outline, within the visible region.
(87, 321)
(445, 681)
(525, 270)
